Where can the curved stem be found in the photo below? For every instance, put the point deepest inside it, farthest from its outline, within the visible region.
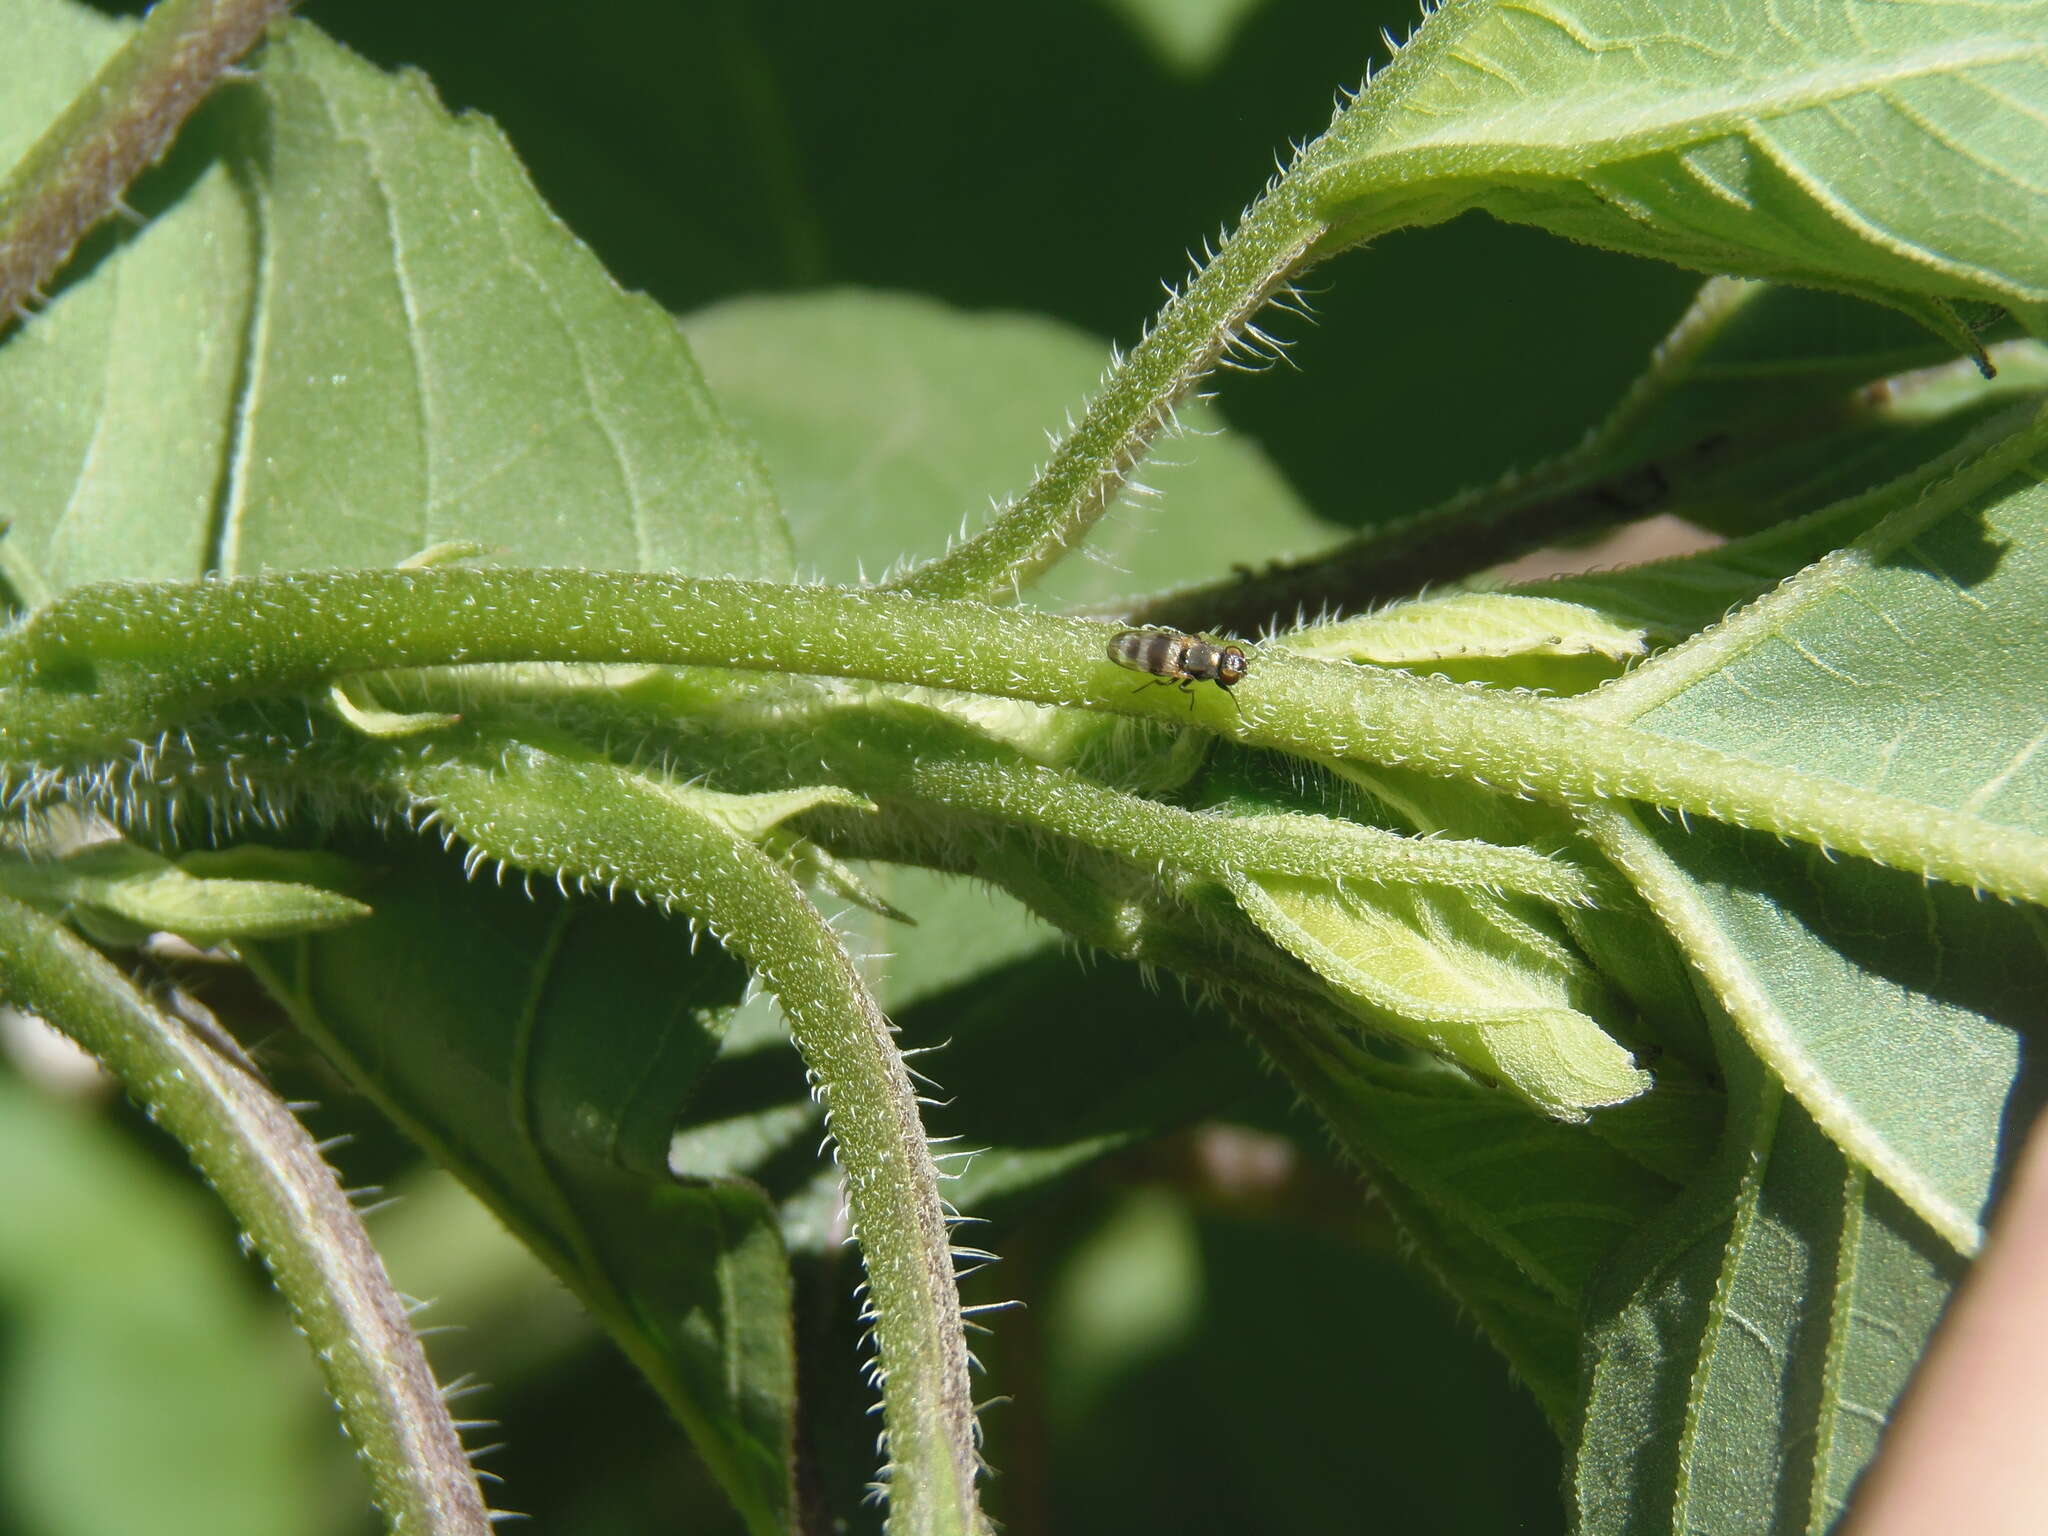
(1093, 460)
(272, 1177)
(602, 825)
(118, 125)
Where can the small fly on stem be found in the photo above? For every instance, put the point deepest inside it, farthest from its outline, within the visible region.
(1177, 660)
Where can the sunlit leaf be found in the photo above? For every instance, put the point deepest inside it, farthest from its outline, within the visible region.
(151, 892)
(1746, 1349)
(359, 334)
(1466, 624)
(1448, 971)
(1890, 151)
(1916, 662)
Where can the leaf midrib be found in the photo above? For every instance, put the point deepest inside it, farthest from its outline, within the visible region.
(1509, 152)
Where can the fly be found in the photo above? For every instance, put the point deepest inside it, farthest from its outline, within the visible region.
(1177, 660)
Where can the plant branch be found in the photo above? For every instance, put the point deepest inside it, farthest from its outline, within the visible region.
(1092, 461)
(1011, 788)
(110, 666)
(272, 1177)
(603, 826)
(122, 122)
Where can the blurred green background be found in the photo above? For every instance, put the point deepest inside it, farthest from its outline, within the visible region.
(1202, 1350)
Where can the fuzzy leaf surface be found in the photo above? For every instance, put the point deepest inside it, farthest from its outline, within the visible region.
(1454, 973)
(149, 891)
(1469, 624)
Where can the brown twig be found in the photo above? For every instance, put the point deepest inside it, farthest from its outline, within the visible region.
(115, 128)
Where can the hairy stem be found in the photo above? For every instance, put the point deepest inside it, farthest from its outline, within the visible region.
(1092, 461)
(284, 1195)
(1030, 795)
(112, 665)
(118, 125)
(595, 822)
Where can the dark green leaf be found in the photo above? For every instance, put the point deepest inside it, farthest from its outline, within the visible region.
(1745, 1351)
(1515, 1212)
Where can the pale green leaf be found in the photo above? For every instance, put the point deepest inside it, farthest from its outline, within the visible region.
(1469, 625)
(153, 893)
(1888, 150)
(1455, 973)
(117, 406)
(889, 421)
(351, 700)
(755, 816)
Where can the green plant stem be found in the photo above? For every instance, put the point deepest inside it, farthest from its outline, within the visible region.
(109, 666)
(272, 1177)
(601, 825)
(73, 176)
(1217, 844)
(1093, 460)
(1602, 482)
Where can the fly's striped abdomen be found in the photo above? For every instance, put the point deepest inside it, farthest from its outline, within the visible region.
(1158, 651)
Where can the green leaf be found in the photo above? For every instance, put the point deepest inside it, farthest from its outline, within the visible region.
(356, 334)
(117, 405)
(542, 1049)
(1748, 357)
(754, 817)
(1189, 36)
(1765, 402)
(1744, 1354)
(888, 420)
(1926, 429)
(175, 1405)
(1888, 151)
(1468, 624)
(1916, 661)
(1457, 973)
(151, 892)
